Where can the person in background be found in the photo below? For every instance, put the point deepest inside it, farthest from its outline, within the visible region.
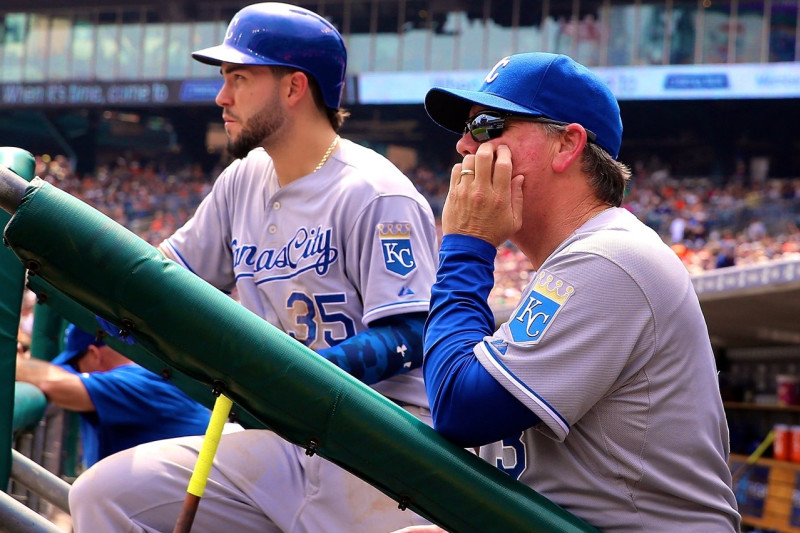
(727, 250)
(25, 330)
(121, 403)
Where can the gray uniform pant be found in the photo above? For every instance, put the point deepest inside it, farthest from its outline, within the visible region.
(258, 482)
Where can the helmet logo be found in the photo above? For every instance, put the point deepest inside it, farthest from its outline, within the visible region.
(233, 23)
(493, 73)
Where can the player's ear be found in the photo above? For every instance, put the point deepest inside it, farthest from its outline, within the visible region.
(95, 355)
(569, 147)
(295, 86)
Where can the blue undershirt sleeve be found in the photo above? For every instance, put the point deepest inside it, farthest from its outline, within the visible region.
(390, 346)
(468, 405)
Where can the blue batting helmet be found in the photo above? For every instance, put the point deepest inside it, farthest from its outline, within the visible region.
(76, 342)
(279, 34)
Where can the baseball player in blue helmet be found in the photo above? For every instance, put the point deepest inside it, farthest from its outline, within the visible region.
(600, 391)
(324, 239)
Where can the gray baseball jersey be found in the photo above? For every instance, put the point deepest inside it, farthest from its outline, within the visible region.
(609, 348)
(321, 257)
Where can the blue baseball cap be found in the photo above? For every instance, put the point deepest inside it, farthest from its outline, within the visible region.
(76, 342)
(536, 84)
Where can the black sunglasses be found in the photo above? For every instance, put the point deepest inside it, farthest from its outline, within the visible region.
(487, 125)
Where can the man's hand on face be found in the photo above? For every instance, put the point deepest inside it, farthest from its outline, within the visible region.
(484, 200)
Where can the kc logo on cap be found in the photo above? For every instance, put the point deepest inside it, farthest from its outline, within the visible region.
(494, 72)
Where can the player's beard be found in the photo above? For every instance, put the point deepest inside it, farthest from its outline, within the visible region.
(258, 129)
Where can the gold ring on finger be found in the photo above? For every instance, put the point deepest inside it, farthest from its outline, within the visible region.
(467, 172)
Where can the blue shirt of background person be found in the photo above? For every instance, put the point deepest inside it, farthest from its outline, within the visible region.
(121, 403)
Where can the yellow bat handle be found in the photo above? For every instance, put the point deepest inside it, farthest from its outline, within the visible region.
(219, 415)
(761, 448)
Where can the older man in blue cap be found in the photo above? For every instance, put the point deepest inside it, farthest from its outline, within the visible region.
(121, 403)
(600, 391)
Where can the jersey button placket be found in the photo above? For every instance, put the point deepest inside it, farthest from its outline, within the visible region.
(272, 228)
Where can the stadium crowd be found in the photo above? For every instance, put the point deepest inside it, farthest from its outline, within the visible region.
(708, 224)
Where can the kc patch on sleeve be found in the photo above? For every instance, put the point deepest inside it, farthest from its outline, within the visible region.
(539, 309)
(398, 256)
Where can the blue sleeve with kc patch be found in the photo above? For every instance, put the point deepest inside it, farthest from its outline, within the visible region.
(468, 405)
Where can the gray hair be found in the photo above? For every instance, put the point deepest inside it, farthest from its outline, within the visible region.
(607, 176)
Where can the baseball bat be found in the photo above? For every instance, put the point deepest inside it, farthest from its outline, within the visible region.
(202, 468)
(751, 460)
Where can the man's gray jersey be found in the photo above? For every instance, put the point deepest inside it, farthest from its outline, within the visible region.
(595, 348)
(318, 258)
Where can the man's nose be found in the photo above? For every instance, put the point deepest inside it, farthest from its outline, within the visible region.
(223, 98)
(466, 144)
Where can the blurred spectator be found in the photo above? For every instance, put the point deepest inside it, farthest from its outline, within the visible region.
(756, 230)
(727, 250)
(25, 331)
(677, 228)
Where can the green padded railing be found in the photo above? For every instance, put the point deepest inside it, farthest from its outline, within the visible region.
(48, 333)
(207, 336)
(12, 281)
(29, 406)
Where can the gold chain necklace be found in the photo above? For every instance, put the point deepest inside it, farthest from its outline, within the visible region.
(327, 153)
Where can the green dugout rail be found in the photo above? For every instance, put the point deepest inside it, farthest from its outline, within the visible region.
(29, 406)
(191, 326)
(48, 332)
(13, 415)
